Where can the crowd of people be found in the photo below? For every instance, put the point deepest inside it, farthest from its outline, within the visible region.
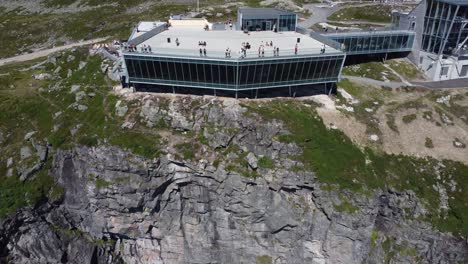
(133, 48)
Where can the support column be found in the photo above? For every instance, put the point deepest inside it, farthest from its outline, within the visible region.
(290, 91)
(214, 92)
(256, 93)
(236, 94)
(173, 89)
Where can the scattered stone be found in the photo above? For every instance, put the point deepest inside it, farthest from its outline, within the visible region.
(2, 138)
(348, 97)
(25, 153)
(42, 76)
(104, 68)
(82, 65)
(70, 58)
(75, 88)
(446, 120)
(332, 126)
(75, 129)
(252, 160)
(120, 110)
(374, 137)
(29, 135)
(57, 114)
(58, 69)
(128, 125)
(79, 96)
(52, 59)
(26, 174)
(369, 110)
(42, 152)
(69, 73)
(9, 162)
(91, 94)
(82, 107)
(346, 108)
(444, 100)
(458, 144)
(9, 172)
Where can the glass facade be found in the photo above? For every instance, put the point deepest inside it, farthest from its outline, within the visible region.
(287, 22)
(370, 43)
(233, 75)
(275, 22)
(259, 24)
(443, 26)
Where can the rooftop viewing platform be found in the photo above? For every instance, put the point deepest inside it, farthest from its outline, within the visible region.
(186, 40)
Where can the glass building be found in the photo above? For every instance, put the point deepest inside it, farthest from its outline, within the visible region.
(263, 19)
(354, 43)
(234, 74)
(445, 25)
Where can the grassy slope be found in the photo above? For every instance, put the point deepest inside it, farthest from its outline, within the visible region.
(374, 13)
(27, 31)
(24, 108)
(337, 161)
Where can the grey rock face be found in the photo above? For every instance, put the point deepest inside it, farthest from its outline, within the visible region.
(25, 152)
(118, 207)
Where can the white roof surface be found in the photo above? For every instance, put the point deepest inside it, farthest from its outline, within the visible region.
(217, 41)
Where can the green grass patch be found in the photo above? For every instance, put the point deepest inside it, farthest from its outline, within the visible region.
(15, 194)
(409, 118)
(264, 259)
(101, 183)
(265, 162)
(188, 150)
(374, 13)
(428, 143)
(391, 123)
(373, 70)
(346, 206)
(405, 69)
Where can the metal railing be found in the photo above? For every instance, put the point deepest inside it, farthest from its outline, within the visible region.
(386, 31)
(144, 37)
(236, 55)
(330, 42)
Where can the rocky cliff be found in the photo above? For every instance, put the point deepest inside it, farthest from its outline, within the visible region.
(184, 207)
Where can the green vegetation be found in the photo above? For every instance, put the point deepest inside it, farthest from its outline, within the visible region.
(15, 194)
(428, 143)
(187, 150)
(336, 160)
(106, 21)
(346, 206)
(409, 118)
(373, 70)
(264, 259)
(239, 164)
(266, 163)
(374, 237)
(405, 69)
(28, 105)
(391, 122)
(373, 13)
(101, 183)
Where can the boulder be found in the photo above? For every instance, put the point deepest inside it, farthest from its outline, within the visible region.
(25, 153)
(252, 160)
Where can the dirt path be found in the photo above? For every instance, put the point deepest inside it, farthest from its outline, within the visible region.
(46, 52)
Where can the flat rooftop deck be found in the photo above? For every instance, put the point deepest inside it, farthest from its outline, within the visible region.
(217, 41)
